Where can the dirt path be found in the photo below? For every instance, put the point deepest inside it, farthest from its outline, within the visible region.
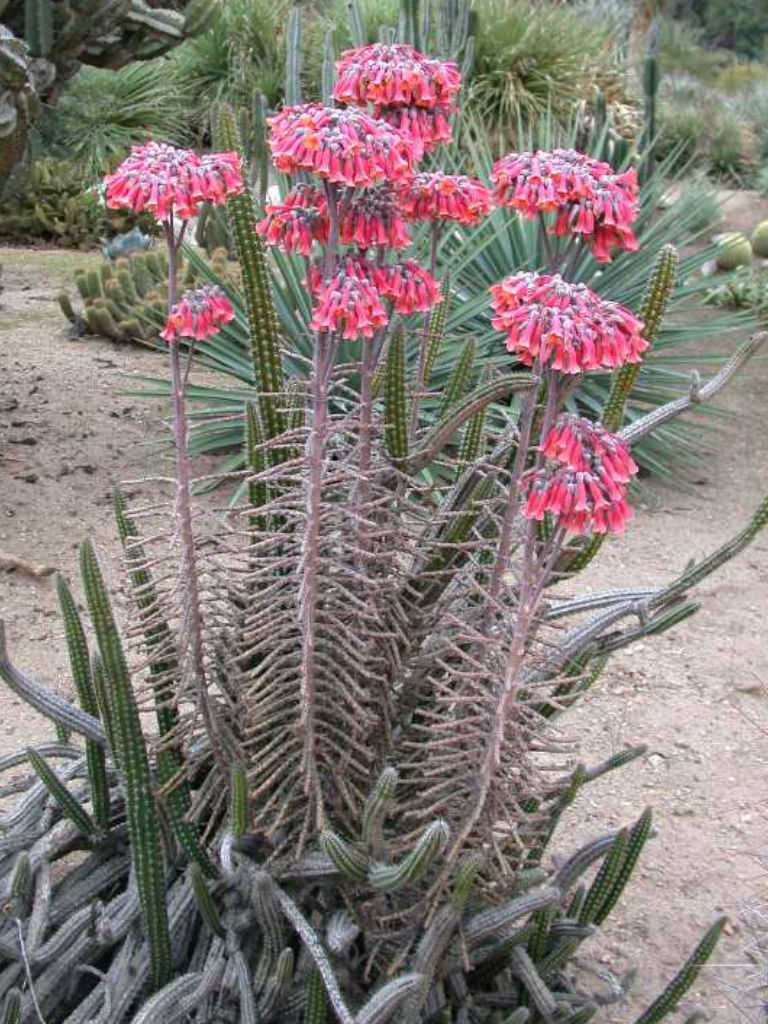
(698, 696)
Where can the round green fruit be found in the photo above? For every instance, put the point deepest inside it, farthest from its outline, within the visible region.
(760, 240)
(733, 251)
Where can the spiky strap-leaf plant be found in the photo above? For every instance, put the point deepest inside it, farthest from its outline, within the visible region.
(348, 808)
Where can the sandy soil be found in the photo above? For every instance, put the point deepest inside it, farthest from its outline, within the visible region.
(698, 696)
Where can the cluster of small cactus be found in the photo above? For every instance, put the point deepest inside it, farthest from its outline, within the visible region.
(51, 201)
(125, 300)
(44, 42)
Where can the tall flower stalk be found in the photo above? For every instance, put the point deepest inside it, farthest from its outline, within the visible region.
(173, 184)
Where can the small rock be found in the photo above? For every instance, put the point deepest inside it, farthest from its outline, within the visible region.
(754, 687)
(22, 440)
(30, 478)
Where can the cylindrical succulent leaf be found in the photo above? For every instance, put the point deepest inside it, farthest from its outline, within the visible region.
(376, 808)
(239, 814)
(385, 1002)
(204, 900)
(499, 922)
(525, 969)
(350, 860)
(395, 397)
(79, 661)
(20, 886)
(459, 380)
(262, 317)
(317, 1000)
(436, 331)
(652, 310)
(684, 978)
(69, 804)
(293, 57)
(12, 1006)
(636, 840)
(430, 845)
(605, 878)
(133, 762)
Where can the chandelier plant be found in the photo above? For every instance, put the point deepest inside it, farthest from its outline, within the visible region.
(357, 769)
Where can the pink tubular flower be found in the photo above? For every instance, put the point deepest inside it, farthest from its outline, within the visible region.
(589, 198)
(411, 288)
(394, 75)
(166, 180)
(349, 303)
(372, 218)
(585, 446)
(425, 129)
(296, 223)
(567, 326)
(343, 146)
(199, 314)
(440, 196)
(581, 501)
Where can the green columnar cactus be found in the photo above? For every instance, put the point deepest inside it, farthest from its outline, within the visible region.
(685, 977)
(396, 397)
(140, 801)
(650, 95)
(293, 58)
(262, 317)
(651, 312)
(79, 660)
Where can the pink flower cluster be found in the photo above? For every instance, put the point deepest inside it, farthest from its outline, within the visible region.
(298, 222)
(587, 446)
(163, 180)
(567, 326)
(411, 288)
(589, 198)
(199, 314)
(347, 147)
(409, 90)
(440, 196)
(395, 75)
(586, 485)
(372, 219)
(349, 303)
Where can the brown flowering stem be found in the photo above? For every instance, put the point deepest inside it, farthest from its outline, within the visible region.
(315, 457)
(525, 426)
(435, 238)
(548, 250)
(192, 618)
(331, 258)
